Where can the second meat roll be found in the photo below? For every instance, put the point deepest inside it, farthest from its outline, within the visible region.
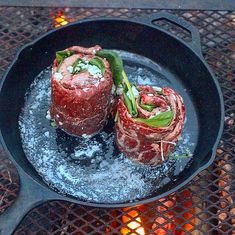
(151, 136)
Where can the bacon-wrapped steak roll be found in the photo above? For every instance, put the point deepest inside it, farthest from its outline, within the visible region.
(81, 85)
(150, 135)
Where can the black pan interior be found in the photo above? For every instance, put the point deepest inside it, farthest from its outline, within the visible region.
(188, 69)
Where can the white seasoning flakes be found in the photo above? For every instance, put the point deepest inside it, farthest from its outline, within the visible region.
(113, 89)
(82, 66)
(87, 151)
(60, 123)
(47, 134)
(135, 92)
(150, 95)
(58, 76)
(119, 90)
(98, 75)
(48, 116)
(86, 136)
(156, 88)
(70, 69)
(93, 70)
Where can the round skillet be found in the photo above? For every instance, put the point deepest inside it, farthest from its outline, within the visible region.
(139, 36)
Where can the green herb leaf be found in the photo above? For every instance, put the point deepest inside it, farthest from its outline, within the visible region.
(158, 90)
(75, 64)
(115, 62)
(129, 87)
(53, 124)
(128, 104)
(61, 55)
(147, 107)
(119, 75)
(180, 156)
(160, 120)
(98, 63)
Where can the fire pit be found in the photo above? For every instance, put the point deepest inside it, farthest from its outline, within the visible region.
(205, 206)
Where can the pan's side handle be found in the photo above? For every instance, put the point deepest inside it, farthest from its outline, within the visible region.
(179, 22)
(24, 202)
(31, 194)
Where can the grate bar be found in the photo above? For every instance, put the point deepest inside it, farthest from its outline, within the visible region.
(205, 206)
(144, 4)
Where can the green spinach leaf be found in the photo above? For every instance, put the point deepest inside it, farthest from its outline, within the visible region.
(132, 97)
(128, 104)
(147, 107)
(119, 75)
(61, 55)
(75, 68)
(98, 63)
(161, 120)
(115, 62)
(180, 156)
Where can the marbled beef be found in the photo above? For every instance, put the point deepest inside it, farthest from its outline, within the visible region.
(141, 142)
(80, 103)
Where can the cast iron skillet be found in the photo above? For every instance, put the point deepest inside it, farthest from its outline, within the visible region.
(139, 36)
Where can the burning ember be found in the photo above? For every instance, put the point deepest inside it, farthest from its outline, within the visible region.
(169, 217)
(133, 223)
(59, 19)
(164, 222)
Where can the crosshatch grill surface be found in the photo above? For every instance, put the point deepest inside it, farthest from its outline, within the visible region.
(205, 206)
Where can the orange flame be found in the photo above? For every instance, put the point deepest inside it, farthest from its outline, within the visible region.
(133, 223)
(60, 19)
(188, 216)
(165, 216)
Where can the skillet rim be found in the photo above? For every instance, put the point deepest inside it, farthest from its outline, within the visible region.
(141, 21)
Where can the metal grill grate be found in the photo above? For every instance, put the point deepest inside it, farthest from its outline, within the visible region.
(205, 206)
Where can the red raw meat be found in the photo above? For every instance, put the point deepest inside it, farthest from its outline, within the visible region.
(145, 144)
(80, 103)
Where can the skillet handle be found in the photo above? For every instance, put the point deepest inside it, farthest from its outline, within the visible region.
(195, 44)
(31, 194)
(24, 202)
